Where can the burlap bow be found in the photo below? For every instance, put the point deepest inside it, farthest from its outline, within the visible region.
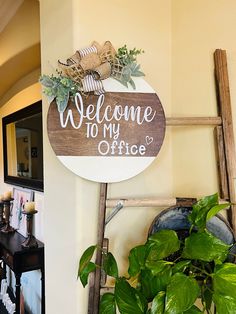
(89, 66)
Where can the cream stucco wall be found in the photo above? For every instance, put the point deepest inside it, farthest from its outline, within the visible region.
(25, 27)
(198, 28)
(71, 202)
(148, 27)
(60, 186)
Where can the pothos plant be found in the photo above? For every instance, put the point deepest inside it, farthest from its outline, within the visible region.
(167, 275)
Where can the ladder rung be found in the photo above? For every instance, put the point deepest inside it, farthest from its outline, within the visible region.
(188, 121)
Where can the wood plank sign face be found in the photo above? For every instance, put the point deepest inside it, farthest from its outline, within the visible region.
(110, 137)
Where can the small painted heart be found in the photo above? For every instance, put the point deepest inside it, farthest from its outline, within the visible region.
(149, 140)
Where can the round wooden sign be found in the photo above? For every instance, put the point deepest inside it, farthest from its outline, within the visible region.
(111, 137)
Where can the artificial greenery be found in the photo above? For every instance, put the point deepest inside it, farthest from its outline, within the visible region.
(128, 56)
(170, 274)
(60, 88)
(128, 60)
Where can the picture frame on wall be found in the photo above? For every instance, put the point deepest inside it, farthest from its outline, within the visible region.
(18, 219)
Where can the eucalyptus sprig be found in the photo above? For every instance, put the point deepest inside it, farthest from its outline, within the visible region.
(60, 88)
(128, 61)
(128, 56)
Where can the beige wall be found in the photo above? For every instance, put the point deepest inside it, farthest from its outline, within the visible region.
(20, 50)
(148, 27)
(71, 202)
(60, 186)
(22, 31)
(198, 28)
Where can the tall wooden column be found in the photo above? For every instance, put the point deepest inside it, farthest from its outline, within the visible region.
(94, 292)
(224, 106)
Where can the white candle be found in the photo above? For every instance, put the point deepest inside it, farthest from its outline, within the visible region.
(7, 196)
(29, 207)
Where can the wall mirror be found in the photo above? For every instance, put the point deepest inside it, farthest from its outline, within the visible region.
(23, 147)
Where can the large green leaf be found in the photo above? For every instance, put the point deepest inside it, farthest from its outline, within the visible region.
(107, 304)
(90, 267)
(193, 310)
(110, 265)
(135, 69)
(224, 280)
(163, 243)
(128, 300)
(204, 246)
(151, 285)
(141, 300)
(137, 257)
(50, 98)
(85, 260)
(46, 81)
(200, 210)
(181, 294)
(207, 298)
(86, 257)
(158, 303)
(180, 266)
(62, 101)
(215, 209)
(156, 266)
(224, 304)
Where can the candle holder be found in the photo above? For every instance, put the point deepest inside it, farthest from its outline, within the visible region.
(30, 241)
(7, 205)
(2, 220)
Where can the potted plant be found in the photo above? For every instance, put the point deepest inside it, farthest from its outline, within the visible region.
(167, 274)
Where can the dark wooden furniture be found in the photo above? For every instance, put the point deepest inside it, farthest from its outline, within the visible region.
(22, 260)
(3, 309)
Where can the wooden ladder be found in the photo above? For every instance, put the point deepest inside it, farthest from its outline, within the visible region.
(226, 162)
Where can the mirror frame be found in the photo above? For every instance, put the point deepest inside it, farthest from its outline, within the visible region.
(18, 115)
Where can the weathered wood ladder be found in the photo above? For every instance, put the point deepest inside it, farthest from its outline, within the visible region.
(226, 161)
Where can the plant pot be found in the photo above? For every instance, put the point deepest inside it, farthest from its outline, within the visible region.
(176, 218)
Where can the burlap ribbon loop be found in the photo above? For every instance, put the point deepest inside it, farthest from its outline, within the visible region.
(90, 61)
(89, 66)
(102, 72)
